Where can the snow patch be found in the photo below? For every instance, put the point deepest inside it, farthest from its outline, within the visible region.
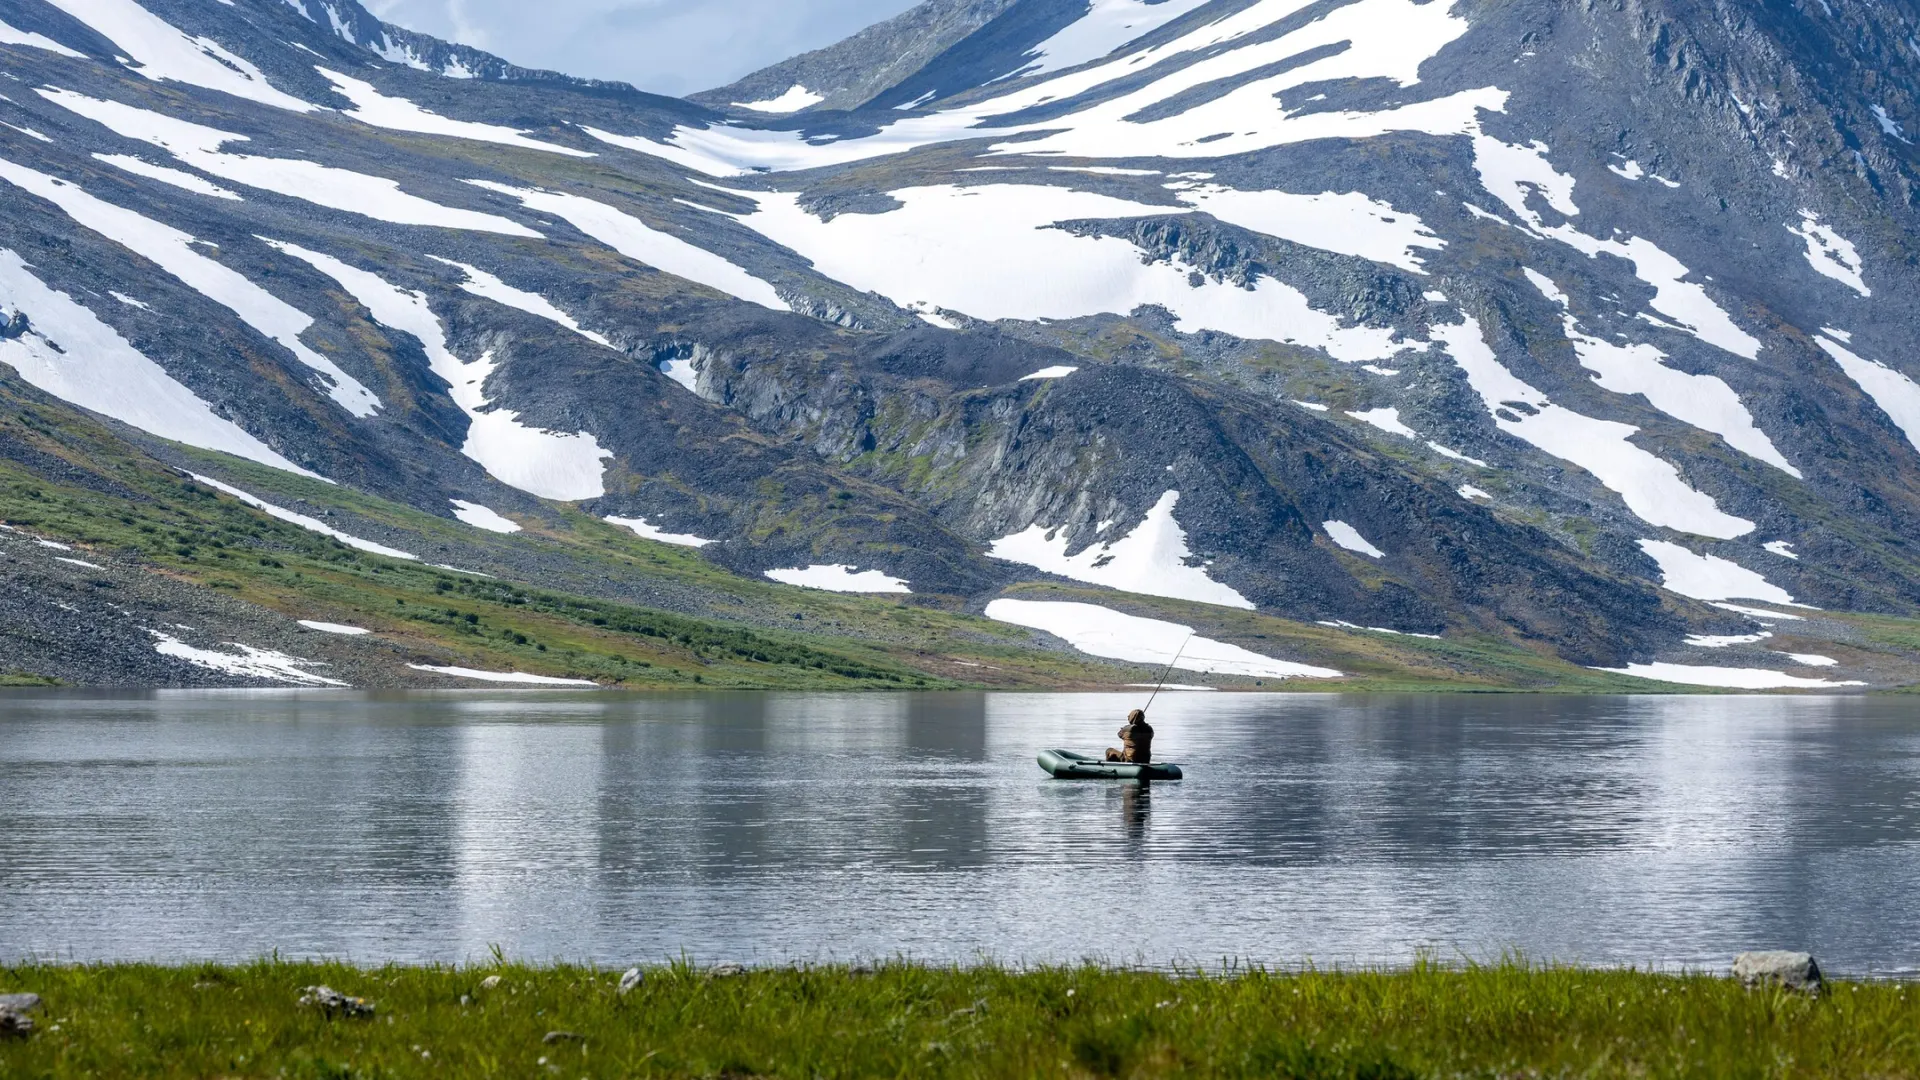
(1347, 223)
(1345, 43)
(1651, 488)
(1811, 659)
(631, 237)
(1449, 452)
(1888, 125)
(681, 370)
(249, 662)
(481, 283)
(1512, 173)
(1896, 394)
(162, 53)
(11, 35)
(1058, 371)
(28, 132)
(795, 98)
(1707, 641)
(652, 532)
(504, 676)
(1470, 493)
(1829, 253)
(993, 252)
(185, 181)
(1151, 560)
(554, 465)
(334, 628)
(1726, 677)
(1387, 420)
(1112, 635)
(1754, 612)
(1710, 577)
(481, 517)
(1349, 537)
(302, 520)
(1704, 401)
(78, 562)
(1781, 548)
(69, 353)
(1107, 25)
(373, 108)
(838, 577)
(322, 185)
(172, 250)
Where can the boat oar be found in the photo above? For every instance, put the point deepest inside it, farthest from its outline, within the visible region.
(1168, 671)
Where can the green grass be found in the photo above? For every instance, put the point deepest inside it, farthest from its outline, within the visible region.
(901, 1020)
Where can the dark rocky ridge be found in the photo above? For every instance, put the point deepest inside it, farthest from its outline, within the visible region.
(849, 431)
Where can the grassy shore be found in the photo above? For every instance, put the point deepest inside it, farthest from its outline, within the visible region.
(903, 1020)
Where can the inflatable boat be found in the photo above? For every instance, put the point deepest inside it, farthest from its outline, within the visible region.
(1067, 765)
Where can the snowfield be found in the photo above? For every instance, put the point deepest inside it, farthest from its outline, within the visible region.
(322, 185)
(1113, 635)
(636, 240)
(74, 356)
(553, 465)
(173, 252)
(1650, 487)
(1710, 577)
(372, 107)
(840, 578)
(642, 528)
(482, 517)
(993, 252)
(1732, 678)
(248, 662)
(162, 53)
(1151, 560)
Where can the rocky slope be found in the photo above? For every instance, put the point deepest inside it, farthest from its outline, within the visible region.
(1573, 328)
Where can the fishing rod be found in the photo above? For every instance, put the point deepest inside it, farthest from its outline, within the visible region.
(1168, 671)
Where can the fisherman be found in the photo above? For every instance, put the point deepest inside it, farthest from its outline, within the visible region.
(1136, 740)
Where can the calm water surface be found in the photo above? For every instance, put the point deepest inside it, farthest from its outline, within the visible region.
(773, 828)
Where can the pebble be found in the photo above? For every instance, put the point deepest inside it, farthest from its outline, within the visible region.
(489, 982)
(631, 979)
(725, 971)
(552, 1037)
(333, 1002)
(1791, 970)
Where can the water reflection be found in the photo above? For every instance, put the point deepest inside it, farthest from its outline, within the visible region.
(795, 826)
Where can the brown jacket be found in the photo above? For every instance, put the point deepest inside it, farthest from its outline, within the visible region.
(1136, 741)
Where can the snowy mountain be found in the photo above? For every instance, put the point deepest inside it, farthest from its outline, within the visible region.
(1584, 328)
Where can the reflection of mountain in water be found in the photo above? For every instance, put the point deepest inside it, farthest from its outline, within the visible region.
(764, 827)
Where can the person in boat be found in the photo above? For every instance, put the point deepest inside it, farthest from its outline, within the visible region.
(1136, 740)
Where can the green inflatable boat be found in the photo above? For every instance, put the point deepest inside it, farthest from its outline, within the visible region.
(1067, 765)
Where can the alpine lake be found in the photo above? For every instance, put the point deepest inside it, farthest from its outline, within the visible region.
(776, 829)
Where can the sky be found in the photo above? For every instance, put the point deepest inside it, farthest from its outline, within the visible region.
(667, 46)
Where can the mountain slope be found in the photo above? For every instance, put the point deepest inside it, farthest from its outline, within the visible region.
(1572, 329)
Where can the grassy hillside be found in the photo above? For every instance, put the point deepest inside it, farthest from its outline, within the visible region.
(575, 597)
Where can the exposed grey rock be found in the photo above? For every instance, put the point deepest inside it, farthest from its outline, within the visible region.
(726, 971)
(15, 1024)
(630, 979)
(552, 1037)
(20, 1002)
(1791, 970)
(334, 1003)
